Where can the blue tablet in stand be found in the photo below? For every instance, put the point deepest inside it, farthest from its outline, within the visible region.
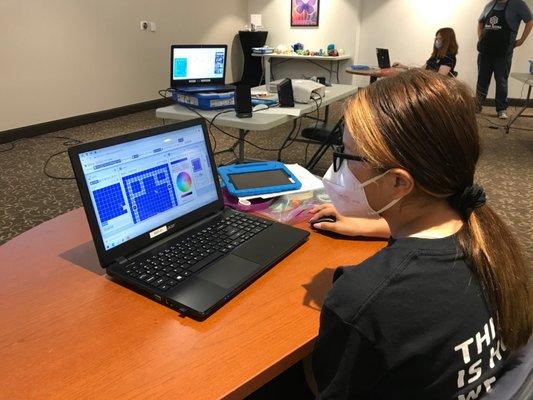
(255, 179)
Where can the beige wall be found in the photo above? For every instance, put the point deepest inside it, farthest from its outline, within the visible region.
(338, 23)
(407, 28)
(62, 58)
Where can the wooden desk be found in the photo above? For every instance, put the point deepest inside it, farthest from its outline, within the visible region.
(67, 332)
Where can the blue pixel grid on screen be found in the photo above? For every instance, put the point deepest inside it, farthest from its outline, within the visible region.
(109, 202)
(149, 192)
(143, 184)
(197, 63)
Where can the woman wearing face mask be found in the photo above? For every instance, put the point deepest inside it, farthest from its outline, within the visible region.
(444, 55)
(436, 313)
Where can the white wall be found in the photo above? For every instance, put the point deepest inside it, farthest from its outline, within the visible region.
(338, 23)
(62, 58)
(407, 28)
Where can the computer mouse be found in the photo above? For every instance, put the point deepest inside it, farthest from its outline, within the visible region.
(325, 218)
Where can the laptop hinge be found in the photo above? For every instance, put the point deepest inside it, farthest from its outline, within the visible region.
(121, 260)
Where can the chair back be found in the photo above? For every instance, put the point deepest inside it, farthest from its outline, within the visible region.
(516, 383)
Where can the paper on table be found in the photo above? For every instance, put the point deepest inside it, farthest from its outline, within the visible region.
(308, 180)
(282, 110)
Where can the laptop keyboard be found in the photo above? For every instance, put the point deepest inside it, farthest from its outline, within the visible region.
(188, 256)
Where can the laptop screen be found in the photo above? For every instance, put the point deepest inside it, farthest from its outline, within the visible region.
(383, 58)
(198, 64)
(142, 184)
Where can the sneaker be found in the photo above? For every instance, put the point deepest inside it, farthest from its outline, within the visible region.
(502, 114)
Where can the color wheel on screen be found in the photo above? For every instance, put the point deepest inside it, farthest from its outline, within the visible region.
(184, 182)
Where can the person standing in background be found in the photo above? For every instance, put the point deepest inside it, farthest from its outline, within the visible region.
(497, 30)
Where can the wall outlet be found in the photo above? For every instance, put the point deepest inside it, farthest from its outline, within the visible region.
(144, 25)
(153, 26)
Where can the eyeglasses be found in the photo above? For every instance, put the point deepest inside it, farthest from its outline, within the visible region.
(339, 155)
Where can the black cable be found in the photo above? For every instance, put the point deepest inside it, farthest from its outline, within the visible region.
(236, 137)
(211, 124)
(316, 122)
(163, 92)
(68, 143)
(11, 144)
(493, 125)
(55, 176)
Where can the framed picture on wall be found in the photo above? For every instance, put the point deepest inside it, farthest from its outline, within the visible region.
(305, 12)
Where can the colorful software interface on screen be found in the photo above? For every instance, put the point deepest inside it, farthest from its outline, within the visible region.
(140, 185)
(198, 63)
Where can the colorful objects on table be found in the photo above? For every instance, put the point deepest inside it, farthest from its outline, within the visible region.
(297, 46)
(360, 67)
(245, 205)
(298, 49)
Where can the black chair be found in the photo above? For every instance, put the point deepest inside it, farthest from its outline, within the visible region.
(516, 383)
(326, 135)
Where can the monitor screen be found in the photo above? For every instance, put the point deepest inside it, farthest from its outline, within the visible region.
(198, 64)
(142, 184)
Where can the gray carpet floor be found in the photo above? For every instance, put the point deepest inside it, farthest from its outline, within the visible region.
(28, 197)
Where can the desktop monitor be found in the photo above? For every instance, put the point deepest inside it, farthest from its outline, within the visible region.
(197, 64)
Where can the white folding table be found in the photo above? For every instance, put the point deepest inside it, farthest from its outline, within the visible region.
(260, 120)
(267, 62)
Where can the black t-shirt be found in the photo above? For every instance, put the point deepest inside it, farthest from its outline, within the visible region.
(448, 60)
(411, 322)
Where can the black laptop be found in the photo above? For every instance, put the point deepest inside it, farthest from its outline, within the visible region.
(383, 58)
(199, 68)
(155, 210)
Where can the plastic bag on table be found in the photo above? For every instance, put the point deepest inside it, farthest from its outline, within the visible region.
(293, 208)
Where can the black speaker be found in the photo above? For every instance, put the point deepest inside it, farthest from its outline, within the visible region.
(285, 95)
(243, 101)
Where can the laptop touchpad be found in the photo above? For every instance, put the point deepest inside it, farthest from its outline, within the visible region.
(229, 271)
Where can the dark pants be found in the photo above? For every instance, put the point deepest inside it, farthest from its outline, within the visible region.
(501, 67)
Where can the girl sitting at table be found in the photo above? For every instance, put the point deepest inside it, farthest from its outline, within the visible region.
(436, 313)
(444, 55)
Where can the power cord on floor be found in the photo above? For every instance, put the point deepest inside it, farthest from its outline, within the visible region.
(493, 125)
(11, 146)
(68, 143)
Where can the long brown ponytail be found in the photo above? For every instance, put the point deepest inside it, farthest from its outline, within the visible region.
(425, 123)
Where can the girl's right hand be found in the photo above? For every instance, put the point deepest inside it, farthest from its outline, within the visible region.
(348, 226)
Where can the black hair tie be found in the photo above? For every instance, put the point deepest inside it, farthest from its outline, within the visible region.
(468, 200)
